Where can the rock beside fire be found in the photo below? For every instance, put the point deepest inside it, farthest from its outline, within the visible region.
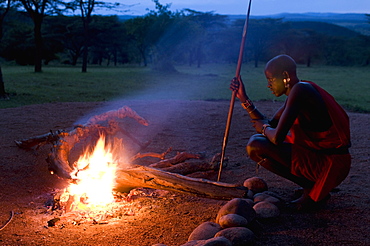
(235, 221)
(237, 206)
(266, 210)
(217, 241)
(255, 184)
(205, 231)
(264, 197)
(239, 236)
(249, 201)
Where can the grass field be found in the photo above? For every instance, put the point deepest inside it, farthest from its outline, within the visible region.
(349, 85)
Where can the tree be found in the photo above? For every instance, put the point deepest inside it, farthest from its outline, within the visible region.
(108, 39)
(201, 27)
(301, 44)
(86, 8)
(4, 9)
(36, 10)
(18, 40)
(138, 29)
(68, 30)
(262, 34)
(163, 36)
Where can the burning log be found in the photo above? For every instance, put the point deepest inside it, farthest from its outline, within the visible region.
(63, 141)
(168, 174)
(154, 178)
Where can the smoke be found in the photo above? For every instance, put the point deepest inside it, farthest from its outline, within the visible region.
(159, 104)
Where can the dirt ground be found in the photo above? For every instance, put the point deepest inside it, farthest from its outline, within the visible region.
(162, 216)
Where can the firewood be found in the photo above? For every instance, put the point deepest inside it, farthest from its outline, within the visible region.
(151, 154)
(62, 141)
(118, 114)
(40, 140)
(179, 158)
(148, 177)
(168, 179)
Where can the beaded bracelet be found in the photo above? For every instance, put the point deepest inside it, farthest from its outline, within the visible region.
(264, 129)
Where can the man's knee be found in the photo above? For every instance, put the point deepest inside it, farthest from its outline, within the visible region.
(257, 144)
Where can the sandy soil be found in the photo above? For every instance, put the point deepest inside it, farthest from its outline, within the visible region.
(162, 216)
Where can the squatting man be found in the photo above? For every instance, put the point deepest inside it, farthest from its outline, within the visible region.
(307, 139)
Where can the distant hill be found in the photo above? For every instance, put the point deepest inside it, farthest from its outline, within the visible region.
(325, 28)
(356, 22)
(126, 17)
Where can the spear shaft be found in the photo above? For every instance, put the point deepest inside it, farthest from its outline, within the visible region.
(233, 95)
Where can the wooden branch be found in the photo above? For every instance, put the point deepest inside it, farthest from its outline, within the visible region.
(118, 114)
(40, 140)
(151, 154)
(62, 142)
(180, 157)
(148, 177)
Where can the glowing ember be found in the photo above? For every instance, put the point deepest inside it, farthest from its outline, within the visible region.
(95, 178)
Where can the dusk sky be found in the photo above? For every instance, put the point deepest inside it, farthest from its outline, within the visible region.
(259, 7)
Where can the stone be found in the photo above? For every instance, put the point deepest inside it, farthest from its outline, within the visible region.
(238, 236)
(217, 241)
(266, 210)
(274, 194)
(255, 184)
(233, 220)
(205, 231)
(250, 201)
(237, 206)
(249, 194)
(260, 197)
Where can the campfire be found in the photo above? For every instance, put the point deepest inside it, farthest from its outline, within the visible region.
(103, 179)
(93, 178)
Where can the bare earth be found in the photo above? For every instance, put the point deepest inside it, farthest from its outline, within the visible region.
(162, 216)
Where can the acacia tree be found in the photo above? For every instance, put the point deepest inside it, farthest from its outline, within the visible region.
(67, 31)
(86, 8)
(201, 29)
(4, 9)
(36, 10)
(165, 34)
(138, 28)
(261, 35)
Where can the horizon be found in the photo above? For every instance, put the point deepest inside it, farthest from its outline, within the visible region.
(282, 13)
(237, 7)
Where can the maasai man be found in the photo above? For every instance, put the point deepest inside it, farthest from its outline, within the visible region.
(307, 139)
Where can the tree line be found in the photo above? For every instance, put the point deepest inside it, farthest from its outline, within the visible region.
(39, 32)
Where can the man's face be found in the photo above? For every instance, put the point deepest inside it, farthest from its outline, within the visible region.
(275, 83)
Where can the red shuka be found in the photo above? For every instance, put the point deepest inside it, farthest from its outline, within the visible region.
(316, 155)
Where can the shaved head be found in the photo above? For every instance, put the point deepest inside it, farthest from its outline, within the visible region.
(280, 64)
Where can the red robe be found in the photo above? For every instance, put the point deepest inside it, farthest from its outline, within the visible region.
(322, 157)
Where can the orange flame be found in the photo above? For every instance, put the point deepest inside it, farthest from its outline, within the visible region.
(96, 176)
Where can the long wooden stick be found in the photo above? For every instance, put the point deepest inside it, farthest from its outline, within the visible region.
(232, 101)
